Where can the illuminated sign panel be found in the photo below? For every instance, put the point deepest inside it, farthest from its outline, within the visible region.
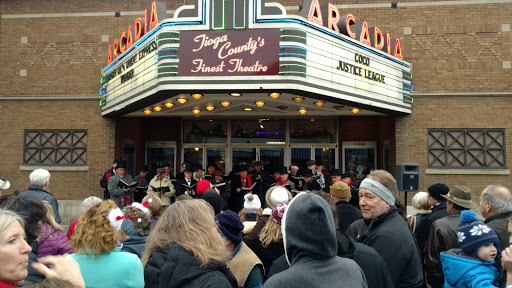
(228, 53)
(352, 69)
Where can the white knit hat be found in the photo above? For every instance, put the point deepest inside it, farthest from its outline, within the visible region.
(4, 184)
(252, 201)
(279, 195)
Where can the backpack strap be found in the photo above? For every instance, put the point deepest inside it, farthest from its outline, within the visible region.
(412, 223)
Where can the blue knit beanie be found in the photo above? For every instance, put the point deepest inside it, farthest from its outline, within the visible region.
(473, 234)
(128, 227)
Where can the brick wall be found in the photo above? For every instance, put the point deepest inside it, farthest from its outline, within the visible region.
(17, 116)
(452, 112)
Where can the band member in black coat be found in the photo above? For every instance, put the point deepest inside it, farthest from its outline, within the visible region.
(284, 181)
(310, 183)
(181, 185)
(259, 176)
(242, 180)
(354, 189)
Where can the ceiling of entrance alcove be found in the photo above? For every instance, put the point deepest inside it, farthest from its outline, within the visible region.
(283, 106)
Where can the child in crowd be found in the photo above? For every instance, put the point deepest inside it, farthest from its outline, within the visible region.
(250, 213)
(472, 266)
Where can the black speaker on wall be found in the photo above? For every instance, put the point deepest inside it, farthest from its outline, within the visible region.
(408, 177)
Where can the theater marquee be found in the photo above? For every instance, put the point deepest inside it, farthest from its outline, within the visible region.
(210, 47)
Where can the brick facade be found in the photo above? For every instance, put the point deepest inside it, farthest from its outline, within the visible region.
(452, 48)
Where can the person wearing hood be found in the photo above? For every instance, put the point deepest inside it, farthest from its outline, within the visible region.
(472, 264)
(386, 231)
(186, 249)
(310, 248)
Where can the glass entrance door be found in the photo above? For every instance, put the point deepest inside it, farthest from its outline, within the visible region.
(159, 154)
(243, 155)
(272, 158)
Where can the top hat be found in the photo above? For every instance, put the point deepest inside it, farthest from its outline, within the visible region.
(188, 168)
(283, 170)
(461, 195)
(336, 172)
(307, 173)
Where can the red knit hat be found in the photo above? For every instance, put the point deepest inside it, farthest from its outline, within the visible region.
(202, 186)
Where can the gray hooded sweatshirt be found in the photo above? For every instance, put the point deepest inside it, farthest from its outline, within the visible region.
(309, 236)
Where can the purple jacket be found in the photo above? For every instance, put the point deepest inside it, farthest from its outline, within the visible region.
(52, 242)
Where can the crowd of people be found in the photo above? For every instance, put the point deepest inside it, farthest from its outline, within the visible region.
(295, 228)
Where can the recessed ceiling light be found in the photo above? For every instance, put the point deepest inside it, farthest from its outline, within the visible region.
(298, 99)
(182, 100)
(210, 107)
(197, 95)
(260, 103)
(247, 109)
(147, 111)
(196, 111)
(303, 110)
(225, 103)
(157, 108)
(355, 110)
(319, 103)
(169, 104)
(235, 94)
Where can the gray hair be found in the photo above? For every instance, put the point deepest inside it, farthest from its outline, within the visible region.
(89, 202)
(498, 204)
(7, 217)
(39, 177)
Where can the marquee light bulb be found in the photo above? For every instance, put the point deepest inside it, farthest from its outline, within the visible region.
(274, 95)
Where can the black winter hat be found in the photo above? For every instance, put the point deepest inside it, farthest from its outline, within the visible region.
(121, 164)
(214, 199)
(437, 190)
(230, 225)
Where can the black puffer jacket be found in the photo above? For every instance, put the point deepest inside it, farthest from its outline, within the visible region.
(173, 266)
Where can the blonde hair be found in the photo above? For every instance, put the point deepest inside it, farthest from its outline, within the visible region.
(271, 232)
(94, 235)
(7, 217)
(50, 217)
(191, 224)
(155, 206)
(420, 201)
(242, 213)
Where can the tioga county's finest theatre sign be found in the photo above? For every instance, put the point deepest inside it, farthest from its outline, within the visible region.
(247, 52)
